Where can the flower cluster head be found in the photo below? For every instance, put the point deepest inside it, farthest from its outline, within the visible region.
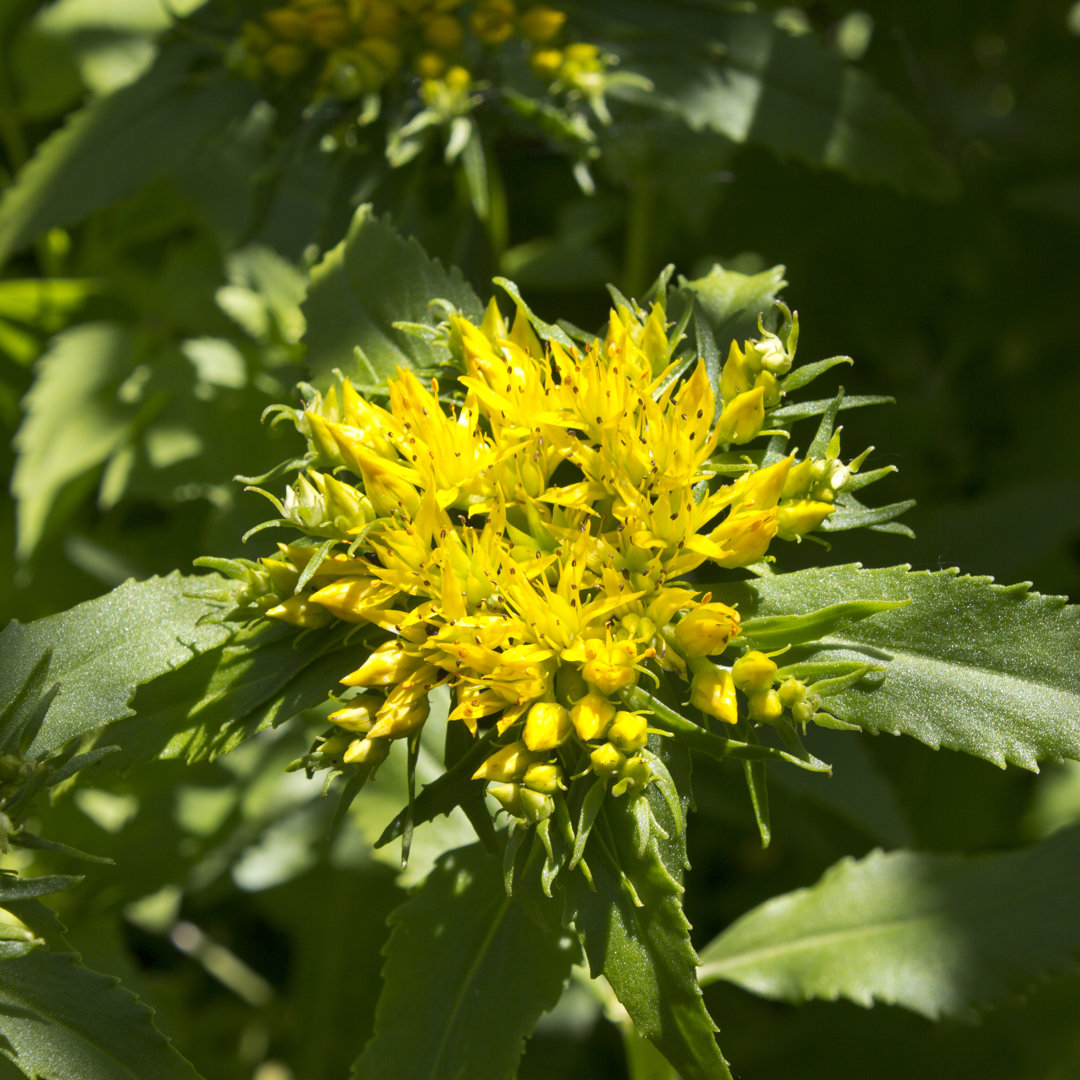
(530, 535)
(353, 48)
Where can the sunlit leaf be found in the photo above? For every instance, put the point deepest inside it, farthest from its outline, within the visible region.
(970, 665)
(489, 971)
(943, 935)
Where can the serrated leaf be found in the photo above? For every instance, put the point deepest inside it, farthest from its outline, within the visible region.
(61, 1019)
(372, 279)
(104, 649)
(643, 949)
(259, 679)
(943, 935)
(116, 144)
(986, 669)
(467, 975)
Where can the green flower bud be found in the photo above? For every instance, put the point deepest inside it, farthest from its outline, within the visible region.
(766, 706)
(628, 732)
(605, 760)
(753, 671)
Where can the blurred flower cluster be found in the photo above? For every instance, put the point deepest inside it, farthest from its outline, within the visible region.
(354, 47)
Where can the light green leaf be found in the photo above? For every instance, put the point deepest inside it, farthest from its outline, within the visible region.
(118, 143)
(73, 422)
(974, 666)
(468, 972)
(103, 649)
(643, 948)
(60, 1019)
(374, 278)
(943, 935)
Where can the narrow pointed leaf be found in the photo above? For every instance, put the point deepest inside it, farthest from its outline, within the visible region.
(468, 973)
(944, 935)
(644, 949)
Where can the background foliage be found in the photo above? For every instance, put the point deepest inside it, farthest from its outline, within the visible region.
(917, 169)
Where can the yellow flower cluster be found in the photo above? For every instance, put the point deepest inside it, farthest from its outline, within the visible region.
(356, 46)
(521, 541)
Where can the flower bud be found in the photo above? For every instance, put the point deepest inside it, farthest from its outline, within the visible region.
(802, 712)
(367, 751)
(522, 803)
(399, 719)
(591, 716)
(765, 706)
(712, 690)
(797, 518)
(753, 671)
(546, 62)
(545, 778)
(628, 731)
(444, 32)
(507, 763)
(358, 714)
(300, 611)
(540, 24)
(706, 630)
(634, 776)
(286, 23)
(792, 692)
(605, 760)
(546, 726)
(743, 417)
(388, 665)
(285, 60)
(608, 669)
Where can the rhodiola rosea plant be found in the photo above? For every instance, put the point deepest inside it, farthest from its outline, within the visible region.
(531, 579)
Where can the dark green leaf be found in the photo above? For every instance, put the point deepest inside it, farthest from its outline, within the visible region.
(63, 1020)
(776, 631)
(790, 94)
(971, 665)
(467, 975)
(941, 934)
(372, 279)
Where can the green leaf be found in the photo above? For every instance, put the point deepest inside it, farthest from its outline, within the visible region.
(371, 280)
(260, 678)
(643, 948)
(729, 301)
(118, 143)
(467, 975)
(738, 74)
(73, 422)
(104, 649)
(60, 1019)
(776, 631)
(943, 935)
(982, 668)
